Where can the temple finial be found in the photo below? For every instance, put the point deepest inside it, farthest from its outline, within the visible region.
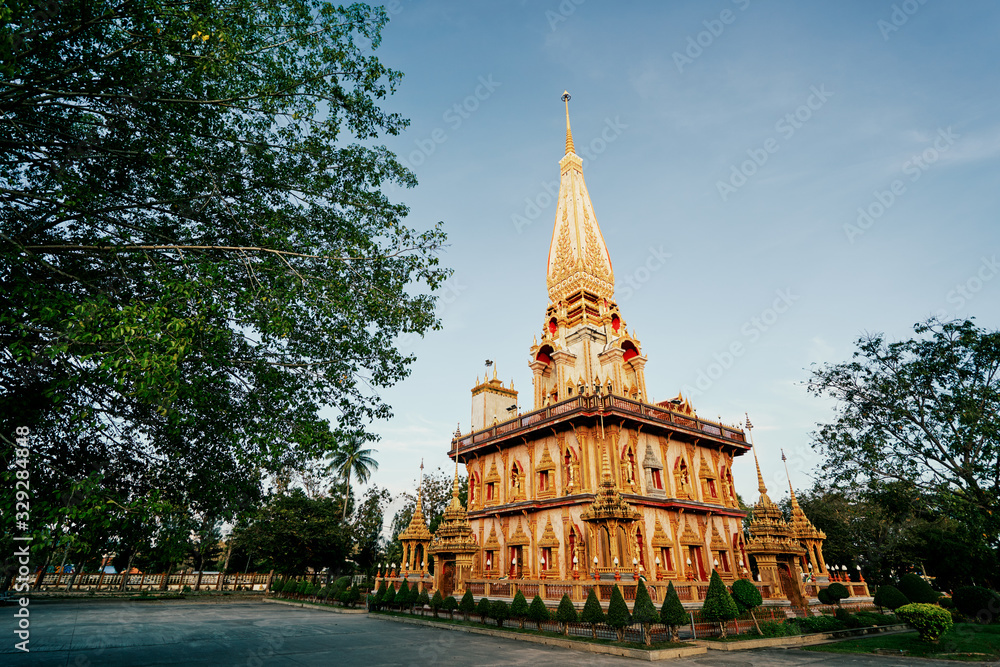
(795, 503)
(569, 133)
(760, 478)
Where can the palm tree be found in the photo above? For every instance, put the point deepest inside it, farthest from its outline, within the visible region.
(350, 459)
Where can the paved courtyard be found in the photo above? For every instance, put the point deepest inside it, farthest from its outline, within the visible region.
(255, 634)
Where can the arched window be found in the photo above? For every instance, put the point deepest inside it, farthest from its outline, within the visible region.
(544, 355)
(629, 349)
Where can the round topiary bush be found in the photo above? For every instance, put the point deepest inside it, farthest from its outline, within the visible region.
(500, 612)
(450, 604)
(837, 592)
(916, 589)
(889, 597)
(747, 597)
(929, 620)
(483, 609)
(981, 605)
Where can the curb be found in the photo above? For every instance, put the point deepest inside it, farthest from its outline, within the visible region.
(317, 607)
(662, 654)
(799, 640)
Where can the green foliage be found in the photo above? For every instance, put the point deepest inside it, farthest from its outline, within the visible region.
(403, 594)
(566, 612)
(277, 586)
(483, 609)
(414, 596)
(352, 596)
(835, 592)
(978, 604)
(719, 605)
(423, 600)
(619, 617)
(592, 612)
(538, 613)
(643, 610)
(437, 601)
(380, 595)
(746, 596)
(916, 589)
(923, 408)
(450, 604)
(889, 597)
(468, 604)
(823, 595)
(929, 620)
(519, 606)
(777, 629)
(499, 611)
(194, 225)
(818, 623)
(672, 613)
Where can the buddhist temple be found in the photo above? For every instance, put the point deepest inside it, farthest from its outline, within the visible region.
(595, 484)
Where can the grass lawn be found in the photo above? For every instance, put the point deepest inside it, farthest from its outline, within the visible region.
(512, 626)
(965, 641)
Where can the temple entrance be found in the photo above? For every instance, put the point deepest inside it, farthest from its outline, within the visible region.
(448, 578)
(790, 587)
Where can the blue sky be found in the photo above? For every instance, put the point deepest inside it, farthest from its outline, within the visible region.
(732, 147)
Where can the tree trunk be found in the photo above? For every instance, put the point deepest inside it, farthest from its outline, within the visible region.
(593, 630)
(647, 637)
(620, 633)
(756, 624)
(675, 635)
(722, 625)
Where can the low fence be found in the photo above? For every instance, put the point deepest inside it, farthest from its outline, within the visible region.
(100, 581)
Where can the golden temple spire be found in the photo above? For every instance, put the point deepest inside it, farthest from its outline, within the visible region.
(795, 503)
(760, 478)
(569, 133)
(420, 486)
(578, 255)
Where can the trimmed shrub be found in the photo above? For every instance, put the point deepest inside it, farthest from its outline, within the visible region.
(538, 612)
(468, 604)
(837, 592)
(889, 597)
(304, 587)
(644, 612)
(672, 613)
(450, 604)
(276, 586)
(423, 600)
(519, 608)
(929, 620)
(566, 614)
(389, 597)
(436, 602)
(979, 604)
(817, 623)
(777, 629)
(403, 595)
(916, 589)
(719, 605)
(380, 596)
(483, 609)
(352, 596)
(500, 612)
(592, 612)
(619, 617)
(824, 597)
(747, 598)
(414, 597)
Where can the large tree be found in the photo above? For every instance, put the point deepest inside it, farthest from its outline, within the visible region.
(924, 411)
(196, 251)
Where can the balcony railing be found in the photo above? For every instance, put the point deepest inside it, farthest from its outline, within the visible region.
(607, 404)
